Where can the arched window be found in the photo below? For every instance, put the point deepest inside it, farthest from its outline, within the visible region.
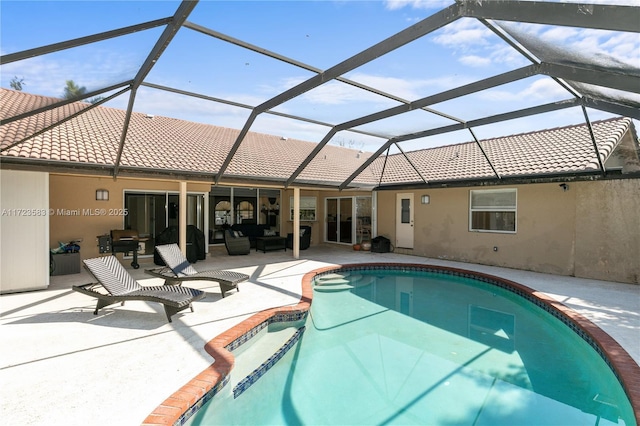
(245, 210)
(223, 213)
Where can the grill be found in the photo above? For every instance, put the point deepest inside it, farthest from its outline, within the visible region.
(125, 241)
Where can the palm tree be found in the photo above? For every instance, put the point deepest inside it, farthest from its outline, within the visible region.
(73, 91)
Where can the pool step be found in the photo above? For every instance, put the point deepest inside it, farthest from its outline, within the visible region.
(329, 288)
(329, 277)
(341, 282)
(333, 282)
(250, 365)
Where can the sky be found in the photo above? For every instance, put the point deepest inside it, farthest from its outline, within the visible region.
(320, 34)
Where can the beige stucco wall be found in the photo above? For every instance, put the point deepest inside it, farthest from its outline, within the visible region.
(608, 230)
(71, 198)
(591, 230)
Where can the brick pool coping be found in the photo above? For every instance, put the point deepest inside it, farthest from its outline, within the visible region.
(173, 409)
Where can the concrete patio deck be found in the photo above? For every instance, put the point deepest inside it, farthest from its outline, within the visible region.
(61, 365)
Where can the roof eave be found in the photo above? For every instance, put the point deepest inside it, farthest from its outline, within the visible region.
(572, 176)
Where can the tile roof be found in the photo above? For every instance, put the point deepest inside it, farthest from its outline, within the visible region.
(166, 144)
(155, 142)
(553, 151)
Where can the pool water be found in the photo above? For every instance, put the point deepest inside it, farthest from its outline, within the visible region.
(423, 348)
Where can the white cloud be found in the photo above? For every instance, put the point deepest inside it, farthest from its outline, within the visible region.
(47, 75)
(401, 87)
(409, 89)
(506, 54)
(544, 89)
(463, 34)
(558, 34)
(625, 45)
(475, 61)
(417, 4)
(335, 93)
(477, 45)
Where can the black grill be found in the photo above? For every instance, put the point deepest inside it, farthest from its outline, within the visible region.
(125, 241)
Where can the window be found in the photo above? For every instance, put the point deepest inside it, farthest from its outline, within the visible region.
(307, 208)
(222, 213)
(405, 210)
(493, 210)
(244, 211)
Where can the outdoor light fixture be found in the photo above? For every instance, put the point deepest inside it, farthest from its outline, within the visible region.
(102, 195)
(425, 199)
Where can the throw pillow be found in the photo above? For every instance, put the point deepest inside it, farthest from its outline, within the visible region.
(269, 233)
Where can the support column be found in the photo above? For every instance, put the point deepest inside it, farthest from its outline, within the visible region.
(182, 218)
(296, 223)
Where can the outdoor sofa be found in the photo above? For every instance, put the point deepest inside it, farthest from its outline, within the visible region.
(253, 231)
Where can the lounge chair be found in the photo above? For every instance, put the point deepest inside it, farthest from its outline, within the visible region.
(116, 285)
(178, 269)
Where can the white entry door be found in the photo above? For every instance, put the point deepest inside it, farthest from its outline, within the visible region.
(404, 220)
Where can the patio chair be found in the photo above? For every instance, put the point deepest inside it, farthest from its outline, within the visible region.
(305, 238)
(178, 270)
(116, 285)
(236, 244)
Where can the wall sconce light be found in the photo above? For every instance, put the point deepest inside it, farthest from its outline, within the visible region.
(564, 187)
(425, 199)
(102, 195)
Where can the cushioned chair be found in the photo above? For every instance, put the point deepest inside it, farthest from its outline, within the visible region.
(116, 285)
(305, 238)
(236, 244)
(179, 270)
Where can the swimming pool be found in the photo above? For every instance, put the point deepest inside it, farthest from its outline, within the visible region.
(409, 345)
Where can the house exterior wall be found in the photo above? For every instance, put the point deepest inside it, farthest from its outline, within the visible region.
(77, 213)
(608, 230)
(589, 231)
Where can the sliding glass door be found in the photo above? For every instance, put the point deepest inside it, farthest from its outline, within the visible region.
(348, 219)
(338, 220)
(150, 213)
